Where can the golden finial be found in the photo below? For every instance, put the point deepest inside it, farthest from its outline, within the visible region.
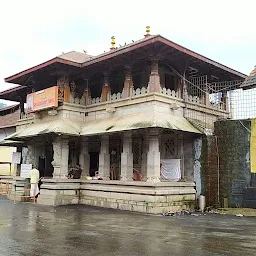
(113, 42)
(147, 31)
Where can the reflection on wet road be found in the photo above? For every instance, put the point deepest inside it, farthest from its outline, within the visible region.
(31, 230)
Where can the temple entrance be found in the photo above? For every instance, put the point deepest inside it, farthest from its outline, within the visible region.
(94, 163)
(41, 165)
(48, 161)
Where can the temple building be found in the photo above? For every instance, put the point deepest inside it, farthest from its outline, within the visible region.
(135, 114)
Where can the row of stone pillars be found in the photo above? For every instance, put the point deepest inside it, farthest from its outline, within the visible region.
(150, 159)
(150, 162)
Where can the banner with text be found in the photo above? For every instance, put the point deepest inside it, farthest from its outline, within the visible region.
(47, 98)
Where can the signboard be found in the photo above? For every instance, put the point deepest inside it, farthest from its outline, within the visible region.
(25, 169)
(16, 157)
(43, 99)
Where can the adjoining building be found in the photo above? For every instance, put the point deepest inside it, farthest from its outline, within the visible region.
(8, 118)
(142, 107)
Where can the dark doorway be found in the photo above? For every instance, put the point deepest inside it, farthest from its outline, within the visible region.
(48, 161)
(94, 163)
(41, 166)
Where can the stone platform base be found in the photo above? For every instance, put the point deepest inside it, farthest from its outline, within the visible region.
(132, 196)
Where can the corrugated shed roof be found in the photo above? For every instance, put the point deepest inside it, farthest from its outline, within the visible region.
(109, 125)
(63, 126)
(10, 119)
(250, 81)
(74, 56)
(138, 121)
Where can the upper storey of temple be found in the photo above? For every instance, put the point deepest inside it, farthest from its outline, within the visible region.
(153, 68)
(136, 55)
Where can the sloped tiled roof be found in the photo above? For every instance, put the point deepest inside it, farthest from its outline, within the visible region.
(250, 81)
(10, 119)
(74, 56)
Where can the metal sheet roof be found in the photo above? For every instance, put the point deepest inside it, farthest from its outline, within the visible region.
(60, 126)
(11, 143)
(109, 125)
(138, 121)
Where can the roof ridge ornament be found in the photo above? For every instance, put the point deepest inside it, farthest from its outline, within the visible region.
(147, 31)
(113, 42)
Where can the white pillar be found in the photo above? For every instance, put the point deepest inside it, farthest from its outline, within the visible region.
(153, 157)
(64, 157)
(31, 154)
(127, 158)
(84, 159)
(144, 158)
(60, 157)
(104, 158)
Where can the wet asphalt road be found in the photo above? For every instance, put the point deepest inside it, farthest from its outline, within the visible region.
(27, 229)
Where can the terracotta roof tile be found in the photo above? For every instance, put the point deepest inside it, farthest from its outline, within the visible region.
(250, 81)
(74, 56)
(10, 120)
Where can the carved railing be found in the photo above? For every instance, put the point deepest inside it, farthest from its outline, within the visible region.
(194, 99)
(116, 96)
(170, 92)
(95, 100)
(140, 91)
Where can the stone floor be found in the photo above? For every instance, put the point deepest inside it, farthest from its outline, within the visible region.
(31, 230)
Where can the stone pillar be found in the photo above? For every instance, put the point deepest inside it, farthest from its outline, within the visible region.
(105, 89)
(144, 158)
(104, 158)
(181, 154)
(31, 154)
(127, 158)
(64, 156)
(84, 158)
(60, 157)
(128, 84)
(154, 78)
(153, 157)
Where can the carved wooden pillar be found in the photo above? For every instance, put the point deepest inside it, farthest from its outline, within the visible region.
(154, 78)
(72, 92)
(128, 83)
(105, 88)
(63, 89)
(87, 96)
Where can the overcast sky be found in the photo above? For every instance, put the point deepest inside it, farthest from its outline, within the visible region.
(36, 31)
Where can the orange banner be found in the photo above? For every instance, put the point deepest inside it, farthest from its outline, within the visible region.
(47, 98)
